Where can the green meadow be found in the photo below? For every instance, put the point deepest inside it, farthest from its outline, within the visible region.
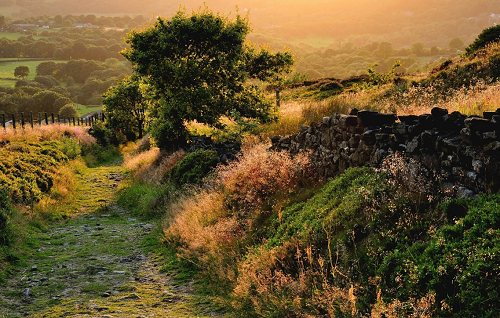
(8, 65)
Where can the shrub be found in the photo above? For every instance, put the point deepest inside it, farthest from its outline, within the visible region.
(459, 265)
(70, 148)
(212, 225)
(487, 36)
(27, 169)
(68, 111)
(193, 167)
(5, 211)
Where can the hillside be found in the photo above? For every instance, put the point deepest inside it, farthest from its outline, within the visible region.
(329, 22)
(372, 195)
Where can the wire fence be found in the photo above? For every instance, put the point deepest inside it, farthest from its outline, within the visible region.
(23, 121)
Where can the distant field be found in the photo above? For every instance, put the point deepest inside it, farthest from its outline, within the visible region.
(8, 65)
(82, 109)
(15, 36)
(316, 42)
(7, 82)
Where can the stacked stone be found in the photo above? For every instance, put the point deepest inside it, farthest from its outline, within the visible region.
(226, 151)
(464, 151)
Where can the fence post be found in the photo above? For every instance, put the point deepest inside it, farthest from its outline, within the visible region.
(3, 121)
(31, 119)
(39, 120)
(74, 121)
(64, 119)
(22, 120)
(46, 120)
(14, 121)
(52, 118)
(58, 119)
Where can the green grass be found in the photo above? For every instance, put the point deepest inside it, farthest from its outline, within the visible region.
(15, 36)
(8, 65)
(144, 200)
(82, 109)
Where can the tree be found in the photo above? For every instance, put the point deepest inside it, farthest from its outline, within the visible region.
(68, 111)
(456, 44)
(47, 68)
(198, 68)
(384, 50)
(417, 48)
(46, 101)
(125, 106)
(21, 71)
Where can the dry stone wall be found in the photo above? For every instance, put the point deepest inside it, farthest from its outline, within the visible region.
(462, 151)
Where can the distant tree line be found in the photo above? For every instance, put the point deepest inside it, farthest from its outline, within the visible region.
(58, 87)
(67, 44)
(344, 60)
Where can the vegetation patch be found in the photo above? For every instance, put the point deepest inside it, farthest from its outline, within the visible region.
(193, 168)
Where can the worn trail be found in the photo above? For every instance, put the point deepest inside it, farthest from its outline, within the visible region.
(98, 264)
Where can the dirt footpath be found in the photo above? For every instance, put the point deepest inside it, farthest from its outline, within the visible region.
(98, 264)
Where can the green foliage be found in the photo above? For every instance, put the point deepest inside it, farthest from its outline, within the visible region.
(198, 67)
(193, 168)
(384, 78)
(104, 135)
(126, 107)
(68, 111)
(145, 200)
(97, 154)
(70, 148)
(26, 170)
(5, 213)
(238, 130)
(22, 71)
(487, 36)
(336, 208)
(47, 81)
(460, 264)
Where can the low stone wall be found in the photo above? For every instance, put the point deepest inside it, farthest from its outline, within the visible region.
(463, 151)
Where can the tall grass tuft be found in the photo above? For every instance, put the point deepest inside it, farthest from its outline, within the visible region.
(211, 225)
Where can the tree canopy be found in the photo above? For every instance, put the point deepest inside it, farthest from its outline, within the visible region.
(198, 67)
(126, 107)
(21, 71)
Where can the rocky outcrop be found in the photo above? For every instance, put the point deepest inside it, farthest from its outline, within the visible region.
(464, 151)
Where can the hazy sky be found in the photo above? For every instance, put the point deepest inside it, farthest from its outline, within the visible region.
(402, 22)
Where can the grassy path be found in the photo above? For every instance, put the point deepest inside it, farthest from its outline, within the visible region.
(98, 264)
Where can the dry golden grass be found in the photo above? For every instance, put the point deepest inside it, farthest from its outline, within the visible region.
(473, 100)
(46, 133)
(150, 166)
(417, 100)
(263, 280)
(210, 223)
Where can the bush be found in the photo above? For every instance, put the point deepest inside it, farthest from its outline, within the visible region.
(105, 136)
(460, 264)
(193, 168)
(27, 170)
(5, 211)
(487, 36)
(68, 111)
